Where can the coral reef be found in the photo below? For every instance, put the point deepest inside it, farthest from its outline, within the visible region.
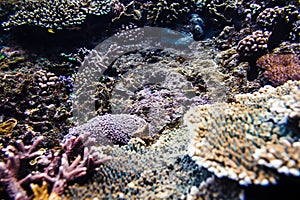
(153, 84)
(160, 171)
(7, 7)
(164, 12)
(281, 21)
(226, 136)
(279, 68)
(254, 44)
(140, 84)
(36, 98)
(10, 58)
(155, 92)
(214, 188)
(56, 14)
(26, 165)
(116, 129)
(161, 107)
(218, 12)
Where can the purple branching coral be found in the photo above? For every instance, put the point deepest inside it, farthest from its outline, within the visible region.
(57, 167)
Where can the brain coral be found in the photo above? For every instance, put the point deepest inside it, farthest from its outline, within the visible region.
(279, 68)
(238, 140)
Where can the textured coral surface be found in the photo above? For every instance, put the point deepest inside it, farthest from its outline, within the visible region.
(95, 96)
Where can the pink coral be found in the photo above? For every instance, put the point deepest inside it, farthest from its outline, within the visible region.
(279, 68)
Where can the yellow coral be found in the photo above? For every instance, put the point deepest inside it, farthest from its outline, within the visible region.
(7, 126)
(40, 192)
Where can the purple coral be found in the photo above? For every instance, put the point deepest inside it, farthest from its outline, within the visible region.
(56, 168)
(116, 129)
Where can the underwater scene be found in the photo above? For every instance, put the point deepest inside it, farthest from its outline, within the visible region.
(149, 99)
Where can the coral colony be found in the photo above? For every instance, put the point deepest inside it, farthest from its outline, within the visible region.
(207, 106)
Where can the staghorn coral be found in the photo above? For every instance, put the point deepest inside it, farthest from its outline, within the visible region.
(162, 12)
(13, 188)
(116, 129)
(279, 68)
(228, 137)
(40, 192)
(11, 170)
(56, 14)
(28, 164)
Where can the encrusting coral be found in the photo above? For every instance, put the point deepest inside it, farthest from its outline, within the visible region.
(237, 140)
(279, 68)
(116, 129)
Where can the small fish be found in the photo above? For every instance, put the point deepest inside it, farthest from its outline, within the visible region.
(30, 111)
(50, 30)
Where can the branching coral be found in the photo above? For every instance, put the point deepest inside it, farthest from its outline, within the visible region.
(279, 68)
(254, 44)
(231, 139)
(56, 14)
(168, 11)
(280, 20)
(37, 98)
(137, 171)
(54, 167)
(219, 12)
